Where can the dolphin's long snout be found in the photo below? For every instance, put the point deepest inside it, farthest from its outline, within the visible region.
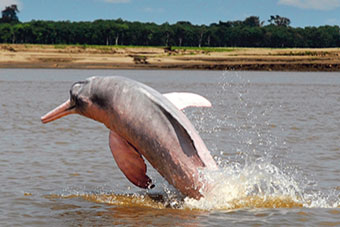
(59, 112)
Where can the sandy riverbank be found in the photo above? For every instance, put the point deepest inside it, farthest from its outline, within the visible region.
(111, 57)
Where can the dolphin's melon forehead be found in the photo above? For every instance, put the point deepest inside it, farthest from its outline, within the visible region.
(77, 87)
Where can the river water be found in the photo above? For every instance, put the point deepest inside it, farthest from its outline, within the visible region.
(275, 135)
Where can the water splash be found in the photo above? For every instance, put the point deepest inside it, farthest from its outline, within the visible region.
(255, 172)
(256, 185)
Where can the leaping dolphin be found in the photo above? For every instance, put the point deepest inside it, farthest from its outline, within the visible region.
(144, 123)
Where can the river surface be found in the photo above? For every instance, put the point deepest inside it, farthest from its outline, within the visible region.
(275, 135)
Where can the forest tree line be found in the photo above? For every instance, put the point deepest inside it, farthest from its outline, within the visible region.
(250, 32)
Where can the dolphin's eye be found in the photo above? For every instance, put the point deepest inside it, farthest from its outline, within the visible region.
(76, 100)
(79, 101)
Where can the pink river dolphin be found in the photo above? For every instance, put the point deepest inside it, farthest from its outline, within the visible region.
(144, 123)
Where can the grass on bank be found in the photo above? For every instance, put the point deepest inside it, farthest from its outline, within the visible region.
(176, 50)
(172, 48)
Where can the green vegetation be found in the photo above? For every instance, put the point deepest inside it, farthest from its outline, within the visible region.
(306, 53)
(205, 49)
(9, 14)
(248, 33)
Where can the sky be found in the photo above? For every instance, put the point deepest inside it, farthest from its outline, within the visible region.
(302, 13)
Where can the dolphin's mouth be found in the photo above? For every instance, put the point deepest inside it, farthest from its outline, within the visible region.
(64, 109)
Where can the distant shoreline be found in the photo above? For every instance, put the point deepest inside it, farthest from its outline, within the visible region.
(179, 58)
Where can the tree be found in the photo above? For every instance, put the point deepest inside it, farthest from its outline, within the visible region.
(279, 21)
(182, 31)
(247, 33)
(5, 33)
(252, 21)
(9, 14)
(167, 34)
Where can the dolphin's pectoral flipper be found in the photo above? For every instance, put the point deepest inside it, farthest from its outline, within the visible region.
(183, 100)
(129, 161)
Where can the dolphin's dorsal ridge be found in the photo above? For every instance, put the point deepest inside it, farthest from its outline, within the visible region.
(183, 100)
(129, 161)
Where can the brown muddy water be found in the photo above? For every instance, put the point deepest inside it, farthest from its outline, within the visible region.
(275, 135)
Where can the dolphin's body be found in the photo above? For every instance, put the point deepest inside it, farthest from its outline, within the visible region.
(142, 122)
